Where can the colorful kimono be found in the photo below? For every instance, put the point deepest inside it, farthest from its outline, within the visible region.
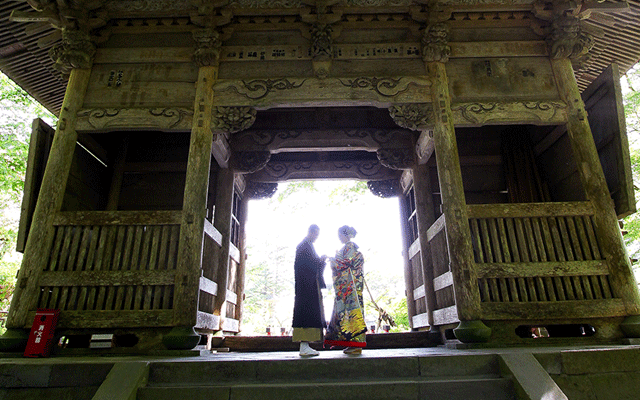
(347, 327)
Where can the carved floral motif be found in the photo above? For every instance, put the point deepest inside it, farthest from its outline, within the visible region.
(265, 138)
(233, 119)
(322, 42)
(387, 188)
(147, 5)
(414, 116)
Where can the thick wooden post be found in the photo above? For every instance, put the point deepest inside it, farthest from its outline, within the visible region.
(595, 185)
(54, 183)
(408, 270)
(425, 217)
(193, 215)
(222, 222)
(243, 262)
(465, 280)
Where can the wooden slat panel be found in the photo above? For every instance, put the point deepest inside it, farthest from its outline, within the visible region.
(414, 248)
(111, 319)
(231, 297)
(419, 293)
(530, 210)
(117, 218)
(445, 316)
(230, 325)
(234, 253)
(553, 310)
(436, 228)
(212, 232)
(476, 240)
(420, 320)
(208, 321)
(443, 281)
(208, 286)
(519, 270)
(106, 278)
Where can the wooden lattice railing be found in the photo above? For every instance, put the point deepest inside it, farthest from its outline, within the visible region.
(543, 254)
(112, 268)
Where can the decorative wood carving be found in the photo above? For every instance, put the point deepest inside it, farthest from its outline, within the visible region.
(387, 188)
(276, 140)
(435, 47)
(322, 42)
(417, 116)
(260, 190)
(567, 35)
(387, 87)
(207, 47)
(276, 171)
(247, 162)
(233, 119)
(526, 111)
(396, 158)
(124, 6)
(260, 88)
(125, 118)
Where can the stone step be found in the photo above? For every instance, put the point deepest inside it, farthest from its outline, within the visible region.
(410, 388)
(190, 372)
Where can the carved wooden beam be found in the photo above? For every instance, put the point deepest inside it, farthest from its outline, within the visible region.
(280, 171)
(277, 141)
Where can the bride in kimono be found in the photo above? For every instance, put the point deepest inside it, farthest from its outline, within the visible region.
(347, 327)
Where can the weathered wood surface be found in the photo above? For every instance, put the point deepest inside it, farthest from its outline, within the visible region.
(195, 203)
(554, 310)
(117, 218)
(605, 111)
(276, 171)
(50, 200)
(445, 316)
(326, 92)
(466, 292)
(593, 179)
(222, 222)
(110, 319)
(443, 281)
(420, 320)
(39, 145)
(425, 218)
(116, 116)
(408, 272)
(549, 269)
(282, 140)
(107, 278)
(208, 286)
(530, 210)
(207, 321)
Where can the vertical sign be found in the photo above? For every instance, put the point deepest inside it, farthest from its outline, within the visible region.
(42, 332)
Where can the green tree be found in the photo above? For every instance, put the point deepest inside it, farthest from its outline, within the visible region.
(17, 111)
(631, 96)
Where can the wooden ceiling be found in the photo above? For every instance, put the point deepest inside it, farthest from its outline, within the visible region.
(24, 48)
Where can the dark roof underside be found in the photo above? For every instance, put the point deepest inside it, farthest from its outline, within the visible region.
(29, 65)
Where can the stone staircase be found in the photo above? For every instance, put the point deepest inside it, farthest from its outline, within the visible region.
(331, 376)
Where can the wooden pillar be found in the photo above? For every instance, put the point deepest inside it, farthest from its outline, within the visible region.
(465, 279)
(52, 190)
(595, 185)
(118, 175)
(189, 266)
(222, 222)
(408, 270)
(243, 261)
(425, 217)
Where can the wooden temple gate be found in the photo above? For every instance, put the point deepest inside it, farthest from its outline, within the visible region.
(175, 116)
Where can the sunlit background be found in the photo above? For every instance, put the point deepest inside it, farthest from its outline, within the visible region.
(276, 226)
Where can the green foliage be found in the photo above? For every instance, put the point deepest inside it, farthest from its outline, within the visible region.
(631, 96)
(17, 111)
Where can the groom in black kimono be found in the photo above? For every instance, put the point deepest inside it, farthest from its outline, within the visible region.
(308, 311)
